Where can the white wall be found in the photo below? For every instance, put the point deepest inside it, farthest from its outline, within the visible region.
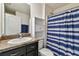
(24, 17)
(37, 10)
(0, 19)
(12, 24)
(43, 12)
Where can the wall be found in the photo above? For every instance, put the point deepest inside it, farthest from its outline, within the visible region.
(69, 6)
(36, 11)
(24, 17)
(1, 18)
(12, 24)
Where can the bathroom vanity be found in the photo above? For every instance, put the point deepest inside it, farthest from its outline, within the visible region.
(16, 22)
(26, 50)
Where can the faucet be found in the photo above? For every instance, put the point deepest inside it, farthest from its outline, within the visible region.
(20, 35)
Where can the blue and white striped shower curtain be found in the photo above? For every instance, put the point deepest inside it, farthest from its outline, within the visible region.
(63, 33)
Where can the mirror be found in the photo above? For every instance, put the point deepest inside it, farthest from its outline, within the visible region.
(1, 18)
(0, 21)
(0, 26)
(16, 19)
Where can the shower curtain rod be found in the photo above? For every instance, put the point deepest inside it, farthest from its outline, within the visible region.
(77, 7)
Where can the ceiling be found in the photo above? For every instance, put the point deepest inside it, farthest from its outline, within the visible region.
(25, 8)
(21, 7)
(55, 5)
(50, 7)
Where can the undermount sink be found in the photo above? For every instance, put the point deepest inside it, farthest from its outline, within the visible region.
(19, 40)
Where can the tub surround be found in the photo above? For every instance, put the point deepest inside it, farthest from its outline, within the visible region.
(5, 46)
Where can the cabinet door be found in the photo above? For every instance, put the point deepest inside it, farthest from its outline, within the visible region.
(33, 53)
(15, 52)
(32, 49)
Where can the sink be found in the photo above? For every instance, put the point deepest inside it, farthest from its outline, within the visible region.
(19, 40)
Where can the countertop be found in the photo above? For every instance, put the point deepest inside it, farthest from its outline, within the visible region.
(4, 46)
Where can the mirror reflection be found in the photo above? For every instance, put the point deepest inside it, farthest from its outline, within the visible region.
(17, 16)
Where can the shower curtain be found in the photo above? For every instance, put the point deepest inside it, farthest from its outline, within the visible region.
(63, 33)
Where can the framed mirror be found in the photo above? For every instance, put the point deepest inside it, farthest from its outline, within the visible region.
(16, 18)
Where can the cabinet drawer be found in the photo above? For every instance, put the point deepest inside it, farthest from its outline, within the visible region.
(15, 52)
(32, 47)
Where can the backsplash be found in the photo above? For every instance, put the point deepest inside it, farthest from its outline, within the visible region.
(4, 37)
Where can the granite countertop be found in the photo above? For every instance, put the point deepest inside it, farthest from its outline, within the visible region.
(5, 46)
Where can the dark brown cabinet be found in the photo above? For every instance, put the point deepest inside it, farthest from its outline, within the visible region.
(27, 50)
(32, 49)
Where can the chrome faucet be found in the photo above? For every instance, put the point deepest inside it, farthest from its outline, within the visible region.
(20, 35)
